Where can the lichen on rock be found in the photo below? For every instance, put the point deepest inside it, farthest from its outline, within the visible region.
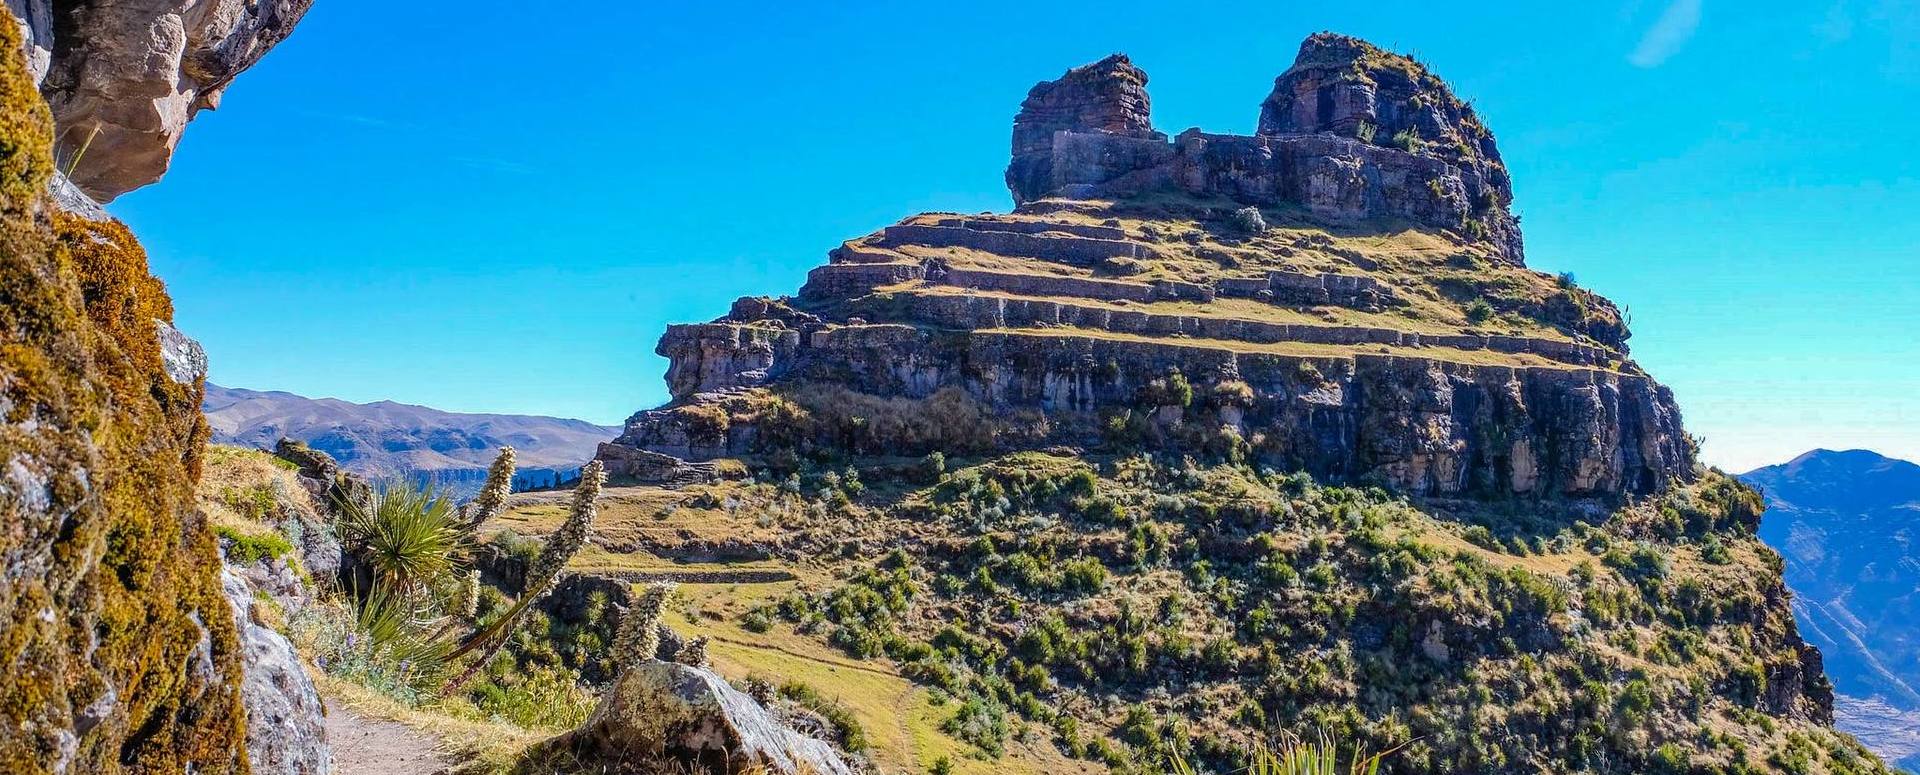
(122, 650)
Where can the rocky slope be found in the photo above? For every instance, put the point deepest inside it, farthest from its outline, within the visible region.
(1846, 524)
(386, 438)
(122, 653)
(1039, 464)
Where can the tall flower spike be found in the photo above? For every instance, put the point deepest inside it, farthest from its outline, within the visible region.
(560, 548)
(470, 594)
(493, 495)
(566, 542)
(694, 653)
(638, 641)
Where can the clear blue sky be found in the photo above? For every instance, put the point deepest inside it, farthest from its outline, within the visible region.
(493, 206)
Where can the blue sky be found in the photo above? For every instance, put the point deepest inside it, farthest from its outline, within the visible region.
(489, 206)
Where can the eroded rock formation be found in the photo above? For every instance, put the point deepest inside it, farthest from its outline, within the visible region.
(1386, 330)
(124, 78)
(1351, 133)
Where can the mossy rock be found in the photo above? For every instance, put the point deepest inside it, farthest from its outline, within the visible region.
(121, 650)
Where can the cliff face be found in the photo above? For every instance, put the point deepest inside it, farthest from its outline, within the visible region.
(122, 653)
(1380, 329)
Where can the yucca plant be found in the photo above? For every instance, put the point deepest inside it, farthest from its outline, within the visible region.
(541, 578)
(406, 534)
(1294, 756)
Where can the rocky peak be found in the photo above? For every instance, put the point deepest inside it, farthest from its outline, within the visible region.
(1351, 134)
(1409, 346)
(1106, 97)
(1346, 86)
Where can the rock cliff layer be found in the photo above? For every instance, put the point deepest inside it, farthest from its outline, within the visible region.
(1352, 309)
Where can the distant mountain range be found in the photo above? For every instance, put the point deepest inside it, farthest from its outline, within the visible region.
(386, 439)
(1848, 524)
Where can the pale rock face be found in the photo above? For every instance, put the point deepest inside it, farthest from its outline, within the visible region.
(127, 76)
(184, 358)
(286, 722)
(35, 18)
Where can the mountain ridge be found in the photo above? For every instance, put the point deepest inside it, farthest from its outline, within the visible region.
(1845, 524)
(388, 438)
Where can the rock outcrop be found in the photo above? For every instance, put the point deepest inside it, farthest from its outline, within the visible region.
(286, 720)
(1351, 133)
(668, 712)
(1385, 331)
(124, 78)
(1108, 97)
(123, 655)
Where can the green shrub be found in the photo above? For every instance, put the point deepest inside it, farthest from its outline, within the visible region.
(245, 548)
(1248, 220)
(1408, 140)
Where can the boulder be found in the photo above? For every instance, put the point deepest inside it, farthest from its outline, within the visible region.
(124, 78)
(665, 713)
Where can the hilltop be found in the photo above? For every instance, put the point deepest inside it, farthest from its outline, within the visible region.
(1210, 437)
(1343, 293)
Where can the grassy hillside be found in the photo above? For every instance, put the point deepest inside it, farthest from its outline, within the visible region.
(1038, 611)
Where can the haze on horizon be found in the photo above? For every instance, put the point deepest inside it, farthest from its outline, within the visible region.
(522, 227)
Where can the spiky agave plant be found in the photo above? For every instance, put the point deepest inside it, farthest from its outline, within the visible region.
(493, 495)
(638, 640)
(406, 534)
(541, 578)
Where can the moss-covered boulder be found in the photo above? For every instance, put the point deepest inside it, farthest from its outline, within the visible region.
(120, 651)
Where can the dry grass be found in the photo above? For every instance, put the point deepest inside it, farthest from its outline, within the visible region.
(238, 487)
(901, 720)
(1435, 274)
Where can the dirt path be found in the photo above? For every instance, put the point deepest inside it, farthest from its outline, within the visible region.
(371, 746)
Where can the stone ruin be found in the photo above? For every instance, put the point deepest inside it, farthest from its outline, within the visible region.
(1119, 265)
